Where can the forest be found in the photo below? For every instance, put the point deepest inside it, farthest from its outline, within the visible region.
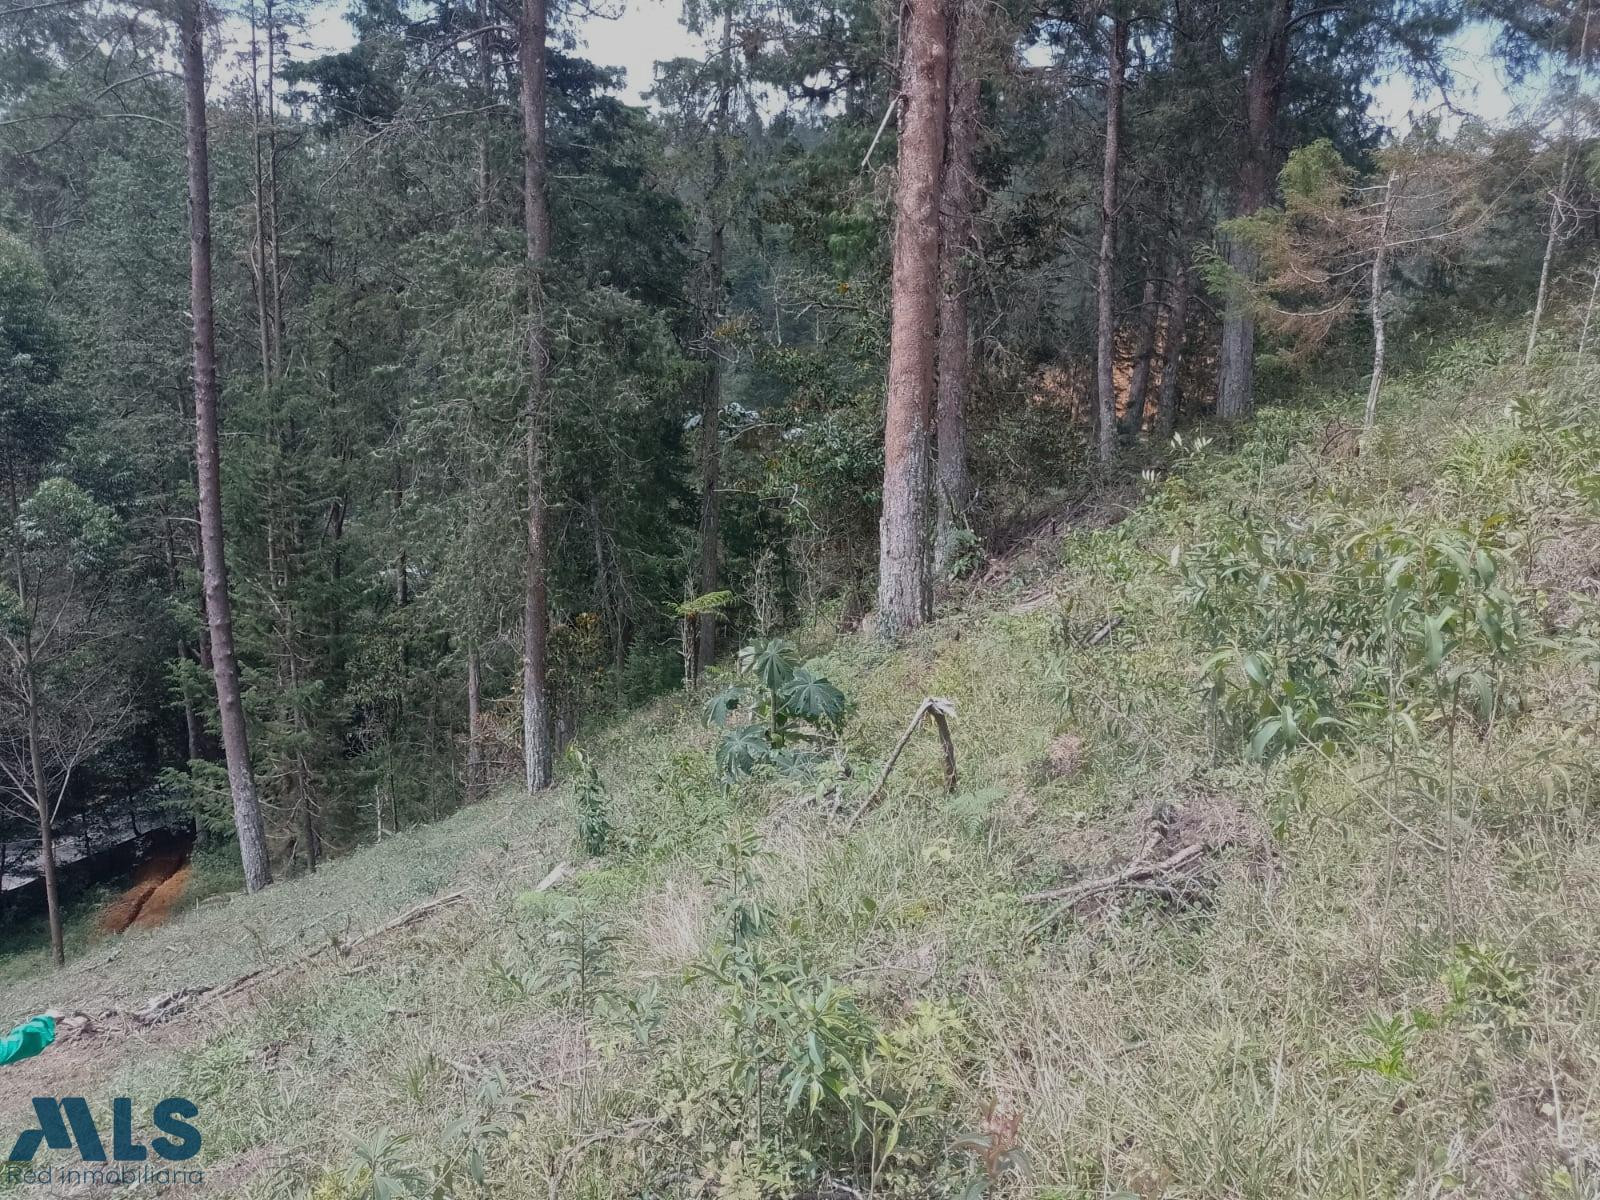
(387, 431)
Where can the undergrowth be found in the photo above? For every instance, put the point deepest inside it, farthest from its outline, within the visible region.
(1367, 684)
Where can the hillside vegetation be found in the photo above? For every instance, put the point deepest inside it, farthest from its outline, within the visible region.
(1365, 685)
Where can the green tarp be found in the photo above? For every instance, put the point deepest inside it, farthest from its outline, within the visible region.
(27, 1039)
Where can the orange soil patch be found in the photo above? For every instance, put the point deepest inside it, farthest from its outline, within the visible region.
(125, 909)
(164, 901)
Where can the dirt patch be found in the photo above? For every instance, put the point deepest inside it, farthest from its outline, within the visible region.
(163, 902)
(1064, 758)
(150, 879)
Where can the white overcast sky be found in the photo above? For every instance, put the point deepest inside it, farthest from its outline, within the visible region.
(650, 31)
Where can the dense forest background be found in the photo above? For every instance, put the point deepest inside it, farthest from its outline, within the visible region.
(649, 415)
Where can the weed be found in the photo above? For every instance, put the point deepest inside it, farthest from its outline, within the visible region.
(794, 713)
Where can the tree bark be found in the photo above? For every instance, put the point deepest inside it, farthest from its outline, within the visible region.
(1105, 272)
(1263, 97)
(536, 751)
(904, 583)
(954, 484)
(711, 402)
(219, 615)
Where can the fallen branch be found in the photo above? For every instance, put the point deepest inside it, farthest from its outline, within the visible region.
(160, 1008)
(941, 711)
(1139, 875)
(1134, 872)
(558, 873)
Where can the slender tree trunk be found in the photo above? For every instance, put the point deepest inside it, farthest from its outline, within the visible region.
(47, 847)
(711, 403)
(1143, 355)
(259, 251)
(536, 752)
(274, 258)
(1380, 267)
(208, 467)
(954, 484)
(193, 731)
(1105, 272)
(904, 583)
(30, 704)
(1588, 310)
(1263, 97)
(474, 718)
(1558, 200)
(1177, 322)
(485, 93)
(1552, 239)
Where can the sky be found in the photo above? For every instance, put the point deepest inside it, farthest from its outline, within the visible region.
(649, 31)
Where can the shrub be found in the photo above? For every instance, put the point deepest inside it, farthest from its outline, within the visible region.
(1329, 626)
(793, 713)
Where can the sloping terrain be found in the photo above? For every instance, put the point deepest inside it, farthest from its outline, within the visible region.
(1271, 871)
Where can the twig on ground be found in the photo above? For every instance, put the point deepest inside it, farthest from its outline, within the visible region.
(1139, 875)
(160, 1008)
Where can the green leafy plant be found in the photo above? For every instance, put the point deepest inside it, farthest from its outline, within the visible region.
(1488, 988)
(791, 713)
(582, 953)
(1388, 1038)
(1331, 628)
(594, 827)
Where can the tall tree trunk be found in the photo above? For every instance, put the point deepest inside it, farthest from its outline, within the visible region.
(536, 752)
(208, 468)
(485, 186)
(1558, 199)
(1177, 322)
(1263, 97)
(711, 402)
(259, 251)
(1588, 310)
(1380, 267)
(954, 484)
(1143, 356)
(1105, 273)
(274, 258)
(30, 704)
(474, 718)
(904, 584)
(1552, 238)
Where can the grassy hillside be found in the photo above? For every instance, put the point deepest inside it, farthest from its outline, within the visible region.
(1363, 685)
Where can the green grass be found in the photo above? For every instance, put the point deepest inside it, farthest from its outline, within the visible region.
(1389, 992)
